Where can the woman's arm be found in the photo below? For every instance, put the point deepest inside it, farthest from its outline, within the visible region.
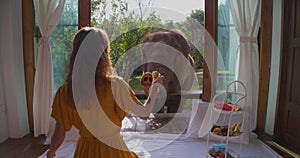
(149, 103)
(56, 139)
(126, 99)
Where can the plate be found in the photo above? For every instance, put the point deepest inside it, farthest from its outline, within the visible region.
(230, 153)
(225, 137)
(228, 112)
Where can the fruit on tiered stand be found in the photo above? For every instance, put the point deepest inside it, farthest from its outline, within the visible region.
(218, 151)
(227, 107)
(235, 130)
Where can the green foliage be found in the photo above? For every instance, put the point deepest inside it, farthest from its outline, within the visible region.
(127, 30)
(198, 15)
(61, 40)
(134, 83)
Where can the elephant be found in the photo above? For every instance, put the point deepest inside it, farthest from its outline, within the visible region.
(168, 52)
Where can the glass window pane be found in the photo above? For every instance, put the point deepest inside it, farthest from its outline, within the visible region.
(128, 21)
(228, 42)
(60, 41)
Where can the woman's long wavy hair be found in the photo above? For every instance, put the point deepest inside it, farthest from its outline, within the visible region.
(104, 68)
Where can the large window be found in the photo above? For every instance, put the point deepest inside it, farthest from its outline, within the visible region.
(117, 17)
(216, 18)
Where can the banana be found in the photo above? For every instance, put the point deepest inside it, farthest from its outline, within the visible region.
(237, 108)
(238, 127)
(233, 127)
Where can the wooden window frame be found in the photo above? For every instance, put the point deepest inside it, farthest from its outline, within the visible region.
(28, 46)
(28, 54)
(84, 15)
(209, 71)
(265, 63)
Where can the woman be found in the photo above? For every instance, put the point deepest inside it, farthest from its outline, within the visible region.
(65, 111)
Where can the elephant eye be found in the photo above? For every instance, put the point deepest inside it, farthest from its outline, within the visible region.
(146, 79)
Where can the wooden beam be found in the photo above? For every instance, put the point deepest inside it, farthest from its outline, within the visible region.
(186, 94)
(84, 15)
(265, 62)
(282, 79)
(209, 71)
(28, 53)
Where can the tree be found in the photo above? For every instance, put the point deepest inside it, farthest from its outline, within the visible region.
(198, 15)
(193, 33)
(143, 7)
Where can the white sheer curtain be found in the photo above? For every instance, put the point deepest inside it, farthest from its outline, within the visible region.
(246, 17)
(48, 13)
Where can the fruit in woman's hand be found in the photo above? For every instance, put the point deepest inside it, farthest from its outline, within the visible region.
(155, 74)
(146, 79)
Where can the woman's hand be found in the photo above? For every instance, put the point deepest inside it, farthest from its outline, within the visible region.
(158, 79)
(56, 139)
(50, 154)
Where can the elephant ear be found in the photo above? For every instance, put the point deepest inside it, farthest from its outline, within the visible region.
(184, 71)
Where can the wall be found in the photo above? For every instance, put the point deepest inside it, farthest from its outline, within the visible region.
(12, 66)
(3, 116)
(275, 61)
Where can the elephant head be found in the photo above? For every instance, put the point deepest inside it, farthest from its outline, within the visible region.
(168, 52)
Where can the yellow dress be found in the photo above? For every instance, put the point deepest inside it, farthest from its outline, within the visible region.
(88, 146)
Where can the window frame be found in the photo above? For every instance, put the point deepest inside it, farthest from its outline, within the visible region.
(28, 54)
